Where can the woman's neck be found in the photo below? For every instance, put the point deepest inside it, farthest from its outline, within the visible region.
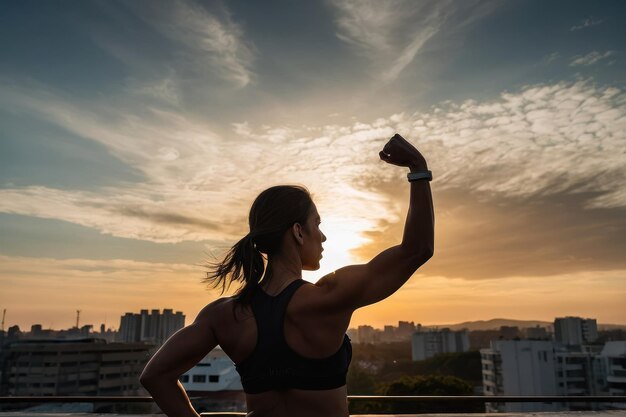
(279, 274)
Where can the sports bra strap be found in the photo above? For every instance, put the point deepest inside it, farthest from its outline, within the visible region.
(270, 314)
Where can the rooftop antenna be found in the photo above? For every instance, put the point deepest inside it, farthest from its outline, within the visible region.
(77, 317)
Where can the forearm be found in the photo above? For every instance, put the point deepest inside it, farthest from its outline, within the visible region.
(419, 229)
(171, 398)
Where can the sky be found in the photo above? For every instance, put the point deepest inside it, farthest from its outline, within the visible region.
(135, 135)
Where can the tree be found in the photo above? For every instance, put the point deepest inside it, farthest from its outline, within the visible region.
(429, 385)
(360, 382)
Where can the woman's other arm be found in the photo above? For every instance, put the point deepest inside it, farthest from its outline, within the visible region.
(356, 286)
(181, 352)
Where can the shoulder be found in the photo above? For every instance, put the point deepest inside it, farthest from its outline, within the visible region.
(319, 297)
(215, 309)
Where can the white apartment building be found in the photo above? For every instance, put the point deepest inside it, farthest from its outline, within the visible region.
(519, 367)
(426, 344)
(613, 361)
(538, 367)
(215, 372)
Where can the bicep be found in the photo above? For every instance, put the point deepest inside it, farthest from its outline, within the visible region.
(357, 286)
(182, 350)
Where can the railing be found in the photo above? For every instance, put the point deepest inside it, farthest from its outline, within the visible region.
(351, 398)
(381, 398)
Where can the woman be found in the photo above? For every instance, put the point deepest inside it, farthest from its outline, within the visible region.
(285, 335)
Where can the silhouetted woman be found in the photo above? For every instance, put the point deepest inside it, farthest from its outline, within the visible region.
(285, 335)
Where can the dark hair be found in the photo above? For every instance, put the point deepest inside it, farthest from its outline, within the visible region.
(273, 212)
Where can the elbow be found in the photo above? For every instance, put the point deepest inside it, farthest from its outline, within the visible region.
(423, 255)
(429, 252)
(146, 379)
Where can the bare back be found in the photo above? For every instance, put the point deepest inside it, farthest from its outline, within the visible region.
(309, 331)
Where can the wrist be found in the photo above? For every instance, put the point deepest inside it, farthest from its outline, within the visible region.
(418, 166)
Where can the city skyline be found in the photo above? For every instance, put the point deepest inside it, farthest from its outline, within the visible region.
(509, 321)
(135, 137)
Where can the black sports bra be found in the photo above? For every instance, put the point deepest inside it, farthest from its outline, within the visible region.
(274, 365)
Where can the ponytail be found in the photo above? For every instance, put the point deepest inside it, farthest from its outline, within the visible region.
(244, 263)
(273, 212)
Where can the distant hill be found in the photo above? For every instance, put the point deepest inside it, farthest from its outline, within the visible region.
(611, 326)
(495, 324)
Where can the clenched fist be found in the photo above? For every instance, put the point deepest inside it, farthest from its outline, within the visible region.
(398, 151)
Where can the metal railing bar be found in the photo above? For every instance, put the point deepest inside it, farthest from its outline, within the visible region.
(489, 398)
(381, 398)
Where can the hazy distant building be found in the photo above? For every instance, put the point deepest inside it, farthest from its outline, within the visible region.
(353, 334)
(72, 367)
(537, 333)
(389, 333)
(152, 327)
(509, 332)
(36, 330)
(405, 330)
(575, 330)
(367, 334)
(429, 343)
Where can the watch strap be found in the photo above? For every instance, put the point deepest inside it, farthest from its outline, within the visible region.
(420, 175)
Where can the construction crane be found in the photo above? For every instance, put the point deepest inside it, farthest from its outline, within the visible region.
(77, 317)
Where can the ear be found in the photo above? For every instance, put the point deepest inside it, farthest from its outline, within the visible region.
(296, 231)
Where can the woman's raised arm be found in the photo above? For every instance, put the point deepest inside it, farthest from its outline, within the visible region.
(356, 286)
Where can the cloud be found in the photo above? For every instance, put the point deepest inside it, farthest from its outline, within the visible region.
(205, 42)
(393, 33)
(547, 59)
(590, 59)
(220, 43)
(482, 236)
(118, 212)
(537, 171)
(589, 22)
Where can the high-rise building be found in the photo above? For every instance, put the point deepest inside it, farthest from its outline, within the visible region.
(72, 367)
(426, 344)
(575, 330)
(152, 327)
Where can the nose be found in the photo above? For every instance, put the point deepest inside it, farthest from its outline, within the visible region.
(323, 237)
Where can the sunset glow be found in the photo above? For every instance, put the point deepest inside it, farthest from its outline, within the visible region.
(135, 137)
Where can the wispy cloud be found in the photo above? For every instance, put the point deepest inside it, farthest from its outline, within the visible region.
(393, 33)
(590, 59)
(221, 42)
(206, 42)
(589, 22)
(572, 132)
(547, 59)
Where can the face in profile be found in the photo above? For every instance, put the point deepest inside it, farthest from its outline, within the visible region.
(313, 239)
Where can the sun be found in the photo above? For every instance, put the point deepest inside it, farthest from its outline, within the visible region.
(342, 236)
